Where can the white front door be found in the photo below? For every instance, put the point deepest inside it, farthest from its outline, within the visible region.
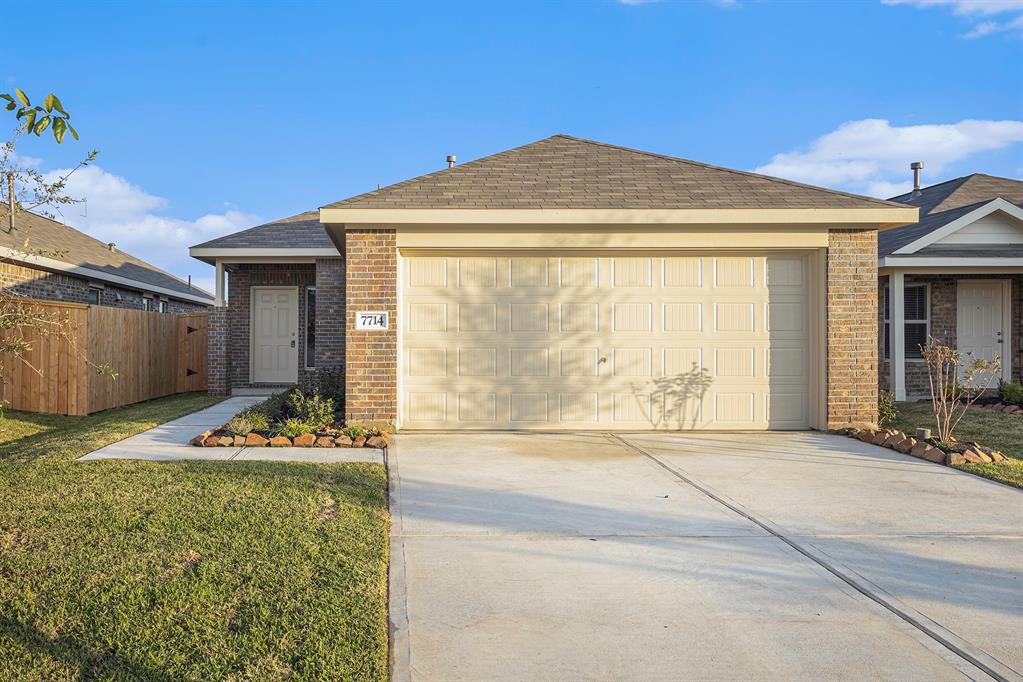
(980, 330)
(274, 335)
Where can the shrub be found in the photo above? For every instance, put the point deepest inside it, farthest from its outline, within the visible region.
(239, 424)
(273, 408)
(313, 409)
(886, 410)
(1011, 392)
(329, 383)
(353, 431)
(292, 428)
(257, 420)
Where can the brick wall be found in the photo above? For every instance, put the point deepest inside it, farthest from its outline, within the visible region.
(371, 358)
(330, 313)
(216, 353)
(943, 316)
(852, 327)
(240, 281)
(51, 286)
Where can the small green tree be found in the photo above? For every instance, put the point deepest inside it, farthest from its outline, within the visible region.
(26, 189)
(956, 381)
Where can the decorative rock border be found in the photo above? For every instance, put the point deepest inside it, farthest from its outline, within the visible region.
(1002, 407)
(222, 438)
(928, 449)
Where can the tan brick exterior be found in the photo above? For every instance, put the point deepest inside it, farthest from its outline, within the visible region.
(852, 327)
(371, 358)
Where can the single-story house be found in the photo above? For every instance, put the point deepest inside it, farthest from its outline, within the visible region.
(956, 276)
(566, 284)
(43, 259)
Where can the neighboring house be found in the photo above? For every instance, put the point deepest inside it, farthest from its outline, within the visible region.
(44, 259)
(956, 276)
(566, 284)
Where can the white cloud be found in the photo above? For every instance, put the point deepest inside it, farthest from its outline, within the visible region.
(117, 211)
(873, 156)
(977, 8)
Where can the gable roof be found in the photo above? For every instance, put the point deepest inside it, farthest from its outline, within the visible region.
(945, 203)
(65, 245)
(302, 231)
(564, 172)
(964, 191)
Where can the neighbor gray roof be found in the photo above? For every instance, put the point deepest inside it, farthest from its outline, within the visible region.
(969, 189)
(569, 172)
(63, 243)
(946, 202)
(299, 231)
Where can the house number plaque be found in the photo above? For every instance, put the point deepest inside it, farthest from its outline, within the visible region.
(372, 320)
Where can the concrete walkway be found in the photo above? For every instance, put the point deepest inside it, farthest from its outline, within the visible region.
(806, 556)
(170, 442)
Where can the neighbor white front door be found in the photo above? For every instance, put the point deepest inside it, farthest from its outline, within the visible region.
(274, 335)
(980, 329)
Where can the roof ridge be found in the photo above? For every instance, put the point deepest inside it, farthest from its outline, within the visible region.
(442, 171)
(734, 171)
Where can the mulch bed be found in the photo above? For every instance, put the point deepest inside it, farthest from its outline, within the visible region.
(929, 449)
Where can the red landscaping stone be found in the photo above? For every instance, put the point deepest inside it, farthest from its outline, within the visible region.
(933, 454)
(239, 441)
(880, 437)
(955, 459)
(866, 435)
(378, 442)
(325, 442)
(343, 442)
(280, 442)
(306, 440)
(894, 439)
(973, 457)
(359, 442)
(211, 442)
(198, 440)
(254, 440)
(906, 445)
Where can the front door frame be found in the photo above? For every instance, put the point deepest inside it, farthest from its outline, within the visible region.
(1006, 292)
(252, 337)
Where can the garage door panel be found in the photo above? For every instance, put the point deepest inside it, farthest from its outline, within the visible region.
(628, 341)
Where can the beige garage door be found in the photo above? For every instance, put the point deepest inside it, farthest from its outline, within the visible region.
(624, 341)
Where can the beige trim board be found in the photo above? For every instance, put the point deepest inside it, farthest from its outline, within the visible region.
(881, 216)
(595, 238)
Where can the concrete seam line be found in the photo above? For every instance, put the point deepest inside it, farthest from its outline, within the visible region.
(399, 657)
(979, 659)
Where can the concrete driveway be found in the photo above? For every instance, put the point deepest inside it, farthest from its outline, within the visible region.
(716, 556)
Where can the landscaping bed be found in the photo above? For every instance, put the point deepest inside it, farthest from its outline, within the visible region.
(300, 417)
(930, 449)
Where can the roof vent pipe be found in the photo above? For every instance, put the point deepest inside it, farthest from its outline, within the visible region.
(113, 247)
(451, 160)
(916, 166)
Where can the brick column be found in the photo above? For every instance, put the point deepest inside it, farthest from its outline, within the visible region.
(330, 314)
(852, 327)
(371, 357)
(216, 352)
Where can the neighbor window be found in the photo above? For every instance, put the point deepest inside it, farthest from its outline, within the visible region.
(310, 328)
(162, 306)
(917, 320)
(95, 296)
(147, 304)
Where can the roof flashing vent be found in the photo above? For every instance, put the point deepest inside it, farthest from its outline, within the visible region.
(452, 159)
(916, 167)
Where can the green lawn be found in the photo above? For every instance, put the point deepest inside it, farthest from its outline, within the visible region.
(184, 570)
(1003, 432)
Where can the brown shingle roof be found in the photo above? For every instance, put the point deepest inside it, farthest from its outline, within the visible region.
(63, 243)
(299, 231)
(569, 172)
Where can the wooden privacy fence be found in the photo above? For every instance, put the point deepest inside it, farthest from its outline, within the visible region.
(153, 354)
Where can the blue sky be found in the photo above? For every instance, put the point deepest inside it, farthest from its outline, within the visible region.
(212, 117)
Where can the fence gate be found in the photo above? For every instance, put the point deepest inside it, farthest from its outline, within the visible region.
(192, 338)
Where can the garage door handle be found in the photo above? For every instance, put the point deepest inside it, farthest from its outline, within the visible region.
(602, 360)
